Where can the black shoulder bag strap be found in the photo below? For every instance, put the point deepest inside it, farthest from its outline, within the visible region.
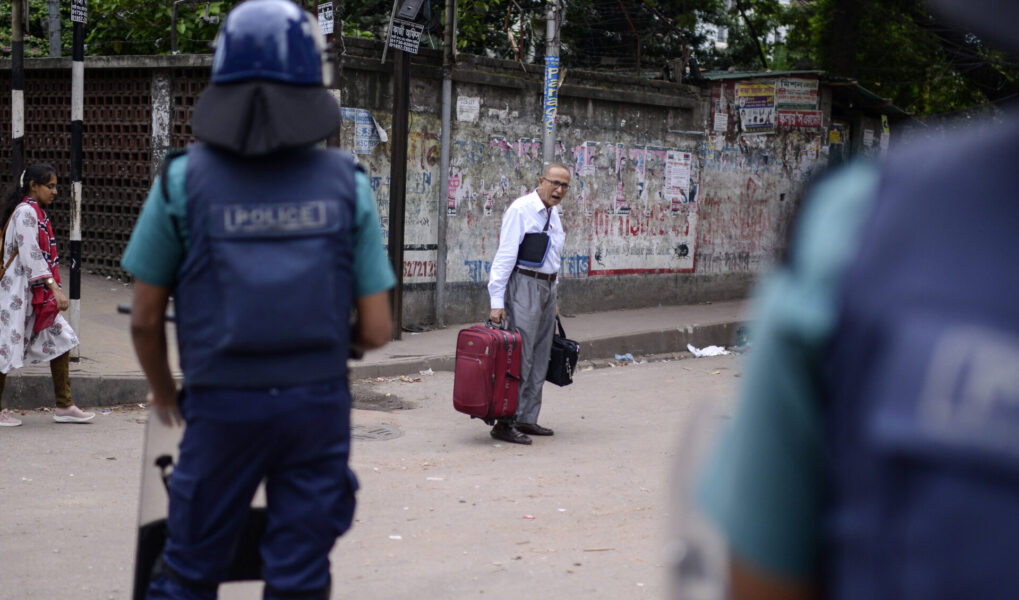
(164, 187)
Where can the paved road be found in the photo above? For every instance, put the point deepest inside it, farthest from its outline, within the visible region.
(444, 511)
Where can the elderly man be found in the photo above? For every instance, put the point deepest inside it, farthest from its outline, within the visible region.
(526, 295)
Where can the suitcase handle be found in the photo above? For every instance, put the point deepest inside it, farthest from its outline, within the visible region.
(503, 324)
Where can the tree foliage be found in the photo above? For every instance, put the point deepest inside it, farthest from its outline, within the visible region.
(896, 48)
(132, 27)
(901, 50)
(37, 33)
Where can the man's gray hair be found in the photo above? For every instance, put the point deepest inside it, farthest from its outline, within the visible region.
(550, 166)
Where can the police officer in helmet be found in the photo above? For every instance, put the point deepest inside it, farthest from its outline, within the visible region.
(267, 243)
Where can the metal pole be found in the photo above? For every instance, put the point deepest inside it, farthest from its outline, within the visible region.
(77, 116)
(54, 28)
(17, 88)
(447, 119)
(333, 64)
(173, 27)
(389, 31)
(398, 178)
(551, 82)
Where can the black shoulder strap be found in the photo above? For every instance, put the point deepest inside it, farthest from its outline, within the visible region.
(164, 188)
(164, 169)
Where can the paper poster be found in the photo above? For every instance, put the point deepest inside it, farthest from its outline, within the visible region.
(677, 178)
(886, 134)
(868, 138)
(796, 94)
(839, 133)
(325, 18)
(468, 109)
(756, 103)
(454, 185)
(721, 122)
(366, 130)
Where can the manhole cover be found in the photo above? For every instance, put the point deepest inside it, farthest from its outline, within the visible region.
(365, 398)
(374, 432)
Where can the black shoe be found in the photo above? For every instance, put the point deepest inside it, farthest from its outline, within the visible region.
(508, 433)
(533, 429)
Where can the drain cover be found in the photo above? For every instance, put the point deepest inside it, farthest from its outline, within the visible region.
(374, 432)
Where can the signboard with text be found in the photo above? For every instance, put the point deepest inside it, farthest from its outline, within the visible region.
(405, 36)
(800, 118)
(325, 18)
(551, 92)
(79, 11)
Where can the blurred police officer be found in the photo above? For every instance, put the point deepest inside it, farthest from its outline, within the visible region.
(267, 243)
(875, 453)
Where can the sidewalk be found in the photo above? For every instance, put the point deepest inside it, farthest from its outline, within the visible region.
(107, 372)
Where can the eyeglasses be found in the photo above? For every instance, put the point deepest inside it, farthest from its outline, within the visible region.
(558, 184)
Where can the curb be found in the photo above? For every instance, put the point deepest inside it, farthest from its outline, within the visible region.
(29, 392)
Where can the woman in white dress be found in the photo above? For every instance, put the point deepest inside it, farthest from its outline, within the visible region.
(31, 327)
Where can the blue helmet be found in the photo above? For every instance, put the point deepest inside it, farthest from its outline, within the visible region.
(273, 40)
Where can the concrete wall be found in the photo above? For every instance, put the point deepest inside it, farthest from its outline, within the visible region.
(665, 207)
(752, 184)
(661, 209)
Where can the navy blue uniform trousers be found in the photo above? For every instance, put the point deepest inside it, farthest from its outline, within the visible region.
(297, 440)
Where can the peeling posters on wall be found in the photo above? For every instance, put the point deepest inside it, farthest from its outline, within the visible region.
(677, 179)
(756, 101)
(796, 103)
(468, 109)
(367, 132)
(662, 237)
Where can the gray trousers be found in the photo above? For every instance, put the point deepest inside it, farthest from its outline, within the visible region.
(530, 309)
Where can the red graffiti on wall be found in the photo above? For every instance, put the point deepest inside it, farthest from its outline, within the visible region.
(425, 146)
(728, 224)
(658, 222)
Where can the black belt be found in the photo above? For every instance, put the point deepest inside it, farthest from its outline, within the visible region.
(536, 274)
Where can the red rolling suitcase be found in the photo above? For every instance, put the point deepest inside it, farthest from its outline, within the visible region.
(486, 376)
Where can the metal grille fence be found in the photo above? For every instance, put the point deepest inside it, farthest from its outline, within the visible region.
(116, 170)
(187, 85)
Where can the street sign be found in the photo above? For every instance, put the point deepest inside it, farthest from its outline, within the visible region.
(79, 11)
(405, 36)
(325, 18)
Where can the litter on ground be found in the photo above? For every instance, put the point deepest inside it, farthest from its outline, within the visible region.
(708, 351)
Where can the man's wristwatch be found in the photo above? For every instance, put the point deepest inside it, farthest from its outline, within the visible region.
(50, 281)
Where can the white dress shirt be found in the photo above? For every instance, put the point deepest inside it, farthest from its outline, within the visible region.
(527, 214)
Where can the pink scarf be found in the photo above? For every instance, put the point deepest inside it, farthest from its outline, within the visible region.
(44, 302)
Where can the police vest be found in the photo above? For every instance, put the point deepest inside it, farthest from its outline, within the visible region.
(265, 292)
(923, 382)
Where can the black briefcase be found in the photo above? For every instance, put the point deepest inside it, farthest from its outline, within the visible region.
(562, 362)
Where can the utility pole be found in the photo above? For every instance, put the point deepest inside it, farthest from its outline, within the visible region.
(332, 28)
(17, 88)
(404, 38)
(79, 15)
(54, 28)
(448, 46)
(398, 178)
(551, 82)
